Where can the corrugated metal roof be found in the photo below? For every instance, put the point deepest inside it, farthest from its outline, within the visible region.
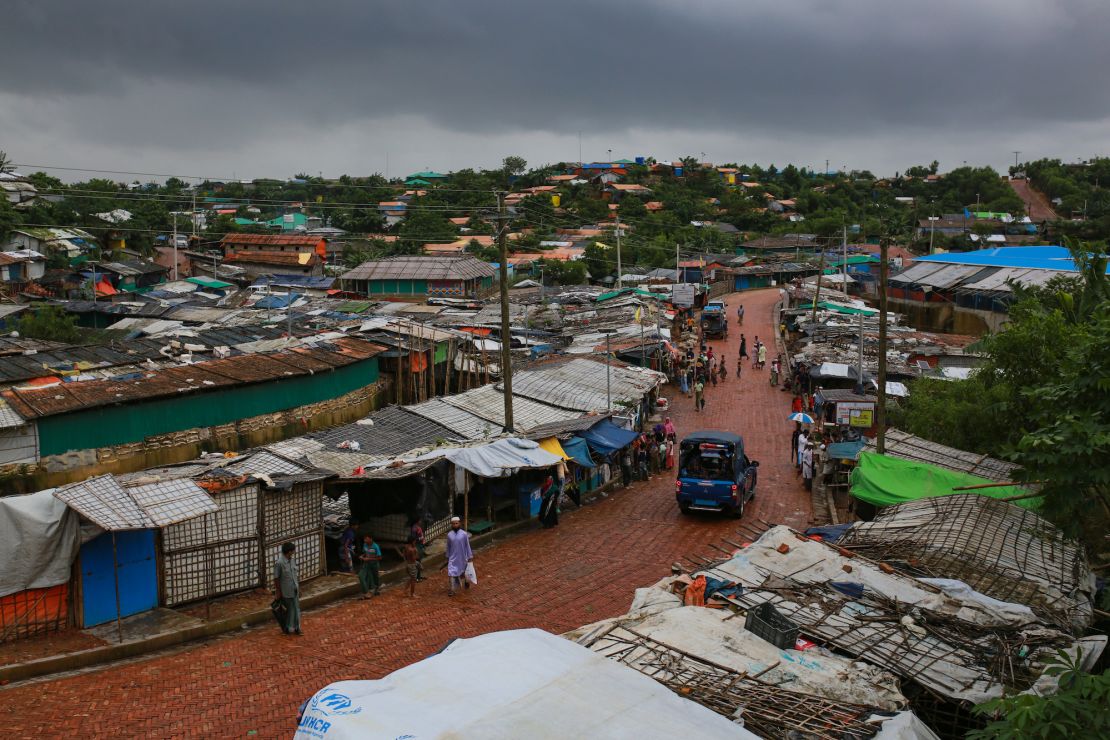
(916, 273)
(8, 417)
(996, 280)
(463, 423)
(558, 428)
(392, 431)
(413, 267)
(103, 501)
(489, 403)
(580, 384)
(949, 276)
(263, 463)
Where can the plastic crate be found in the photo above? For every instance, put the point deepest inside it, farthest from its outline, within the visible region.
(765, 621)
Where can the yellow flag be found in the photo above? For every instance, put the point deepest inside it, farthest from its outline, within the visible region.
(638, 314)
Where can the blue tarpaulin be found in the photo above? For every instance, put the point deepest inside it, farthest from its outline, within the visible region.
(606, 437)
(578, 451)
(278, 300)
(845, 450)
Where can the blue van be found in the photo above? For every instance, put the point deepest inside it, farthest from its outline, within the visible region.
(714, 474)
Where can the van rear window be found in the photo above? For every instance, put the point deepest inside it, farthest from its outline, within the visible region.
(706, 462)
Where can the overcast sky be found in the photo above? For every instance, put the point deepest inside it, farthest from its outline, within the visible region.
(253, 89)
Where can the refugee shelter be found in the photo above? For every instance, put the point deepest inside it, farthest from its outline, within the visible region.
(1000, 549)
(533, 684)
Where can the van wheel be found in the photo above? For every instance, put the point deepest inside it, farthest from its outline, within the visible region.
(738, 510)
(684, 508)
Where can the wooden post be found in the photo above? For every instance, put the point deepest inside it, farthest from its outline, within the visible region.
(506, 336)
(817, 295)
(115, 574)
(210, 554)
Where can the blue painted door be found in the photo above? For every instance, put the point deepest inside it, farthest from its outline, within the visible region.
(138, 577)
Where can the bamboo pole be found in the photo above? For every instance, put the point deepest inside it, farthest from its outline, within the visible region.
(115, 573)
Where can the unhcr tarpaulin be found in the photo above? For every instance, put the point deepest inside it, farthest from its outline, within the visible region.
(579, 452)
(883, 481)
(606, 437)
(38, 541)
(533, 685)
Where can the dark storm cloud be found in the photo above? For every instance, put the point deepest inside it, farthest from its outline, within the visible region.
(227, 72)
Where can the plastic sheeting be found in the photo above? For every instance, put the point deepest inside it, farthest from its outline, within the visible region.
(579, 452)
(497, 459)
(606, 437)
(551, 444)
(39, 538)
(508, 685)
(883, 480)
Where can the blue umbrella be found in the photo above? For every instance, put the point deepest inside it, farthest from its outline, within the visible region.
(803, 418)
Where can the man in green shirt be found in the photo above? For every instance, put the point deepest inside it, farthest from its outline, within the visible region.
(699, 395)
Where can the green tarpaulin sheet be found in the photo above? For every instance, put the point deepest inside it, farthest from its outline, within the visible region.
(837, 308)
(883, 481)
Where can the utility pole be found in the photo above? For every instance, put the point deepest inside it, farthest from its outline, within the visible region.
(844, 265)
(859, 360)
(506, 338)
(194, 215)
(608, 382)
(817, 294)
(677, 262)
(618, 230)
(175, 246)
(880, 411)
(1017, 153)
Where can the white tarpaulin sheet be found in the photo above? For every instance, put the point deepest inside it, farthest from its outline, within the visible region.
(497, 459)
(510, 685)
(39, 539)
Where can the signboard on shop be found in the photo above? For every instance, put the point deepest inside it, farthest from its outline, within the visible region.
(855, 413)
(682, 294)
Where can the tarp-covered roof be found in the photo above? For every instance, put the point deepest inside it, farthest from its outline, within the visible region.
(606, 437)
(882, 480)
(532, 685)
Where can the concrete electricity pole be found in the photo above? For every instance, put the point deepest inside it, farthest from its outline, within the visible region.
(617, 215)
(880, 404)
(506, 338)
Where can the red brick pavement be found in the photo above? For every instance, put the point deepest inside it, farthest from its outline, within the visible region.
(252, 683)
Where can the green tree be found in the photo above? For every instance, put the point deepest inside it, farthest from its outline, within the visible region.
(421, 227)
(9, 218)
(514, 165)
(50, 323)
(1078, 709)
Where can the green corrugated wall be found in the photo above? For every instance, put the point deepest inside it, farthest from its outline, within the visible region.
(114, 425)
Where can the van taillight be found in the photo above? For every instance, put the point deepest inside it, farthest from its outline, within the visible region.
(678, 486)
(734, 488)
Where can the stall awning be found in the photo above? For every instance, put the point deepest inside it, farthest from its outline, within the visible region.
(882, 480)
(579, 452)
(497, 459)
(551, 444)
(606, 437)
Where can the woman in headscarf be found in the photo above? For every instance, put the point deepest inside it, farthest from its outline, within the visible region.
(549, 503)
(668, 428)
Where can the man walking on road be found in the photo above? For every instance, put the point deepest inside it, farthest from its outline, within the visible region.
(699, 395)
(459, 556)
(740, 314)
(287, 586)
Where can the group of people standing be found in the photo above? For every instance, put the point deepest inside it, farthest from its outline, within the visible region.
(650, 454)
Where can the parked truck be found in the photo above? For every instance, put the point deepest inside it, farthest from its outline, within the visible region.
(714, 320)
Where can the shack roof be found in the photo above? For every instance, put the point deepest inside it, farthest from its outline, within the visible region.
(105, 502)
(271, 240)
(1025, 560)
(580, 384)
(911, 447)
(416, 267)
(64, 398)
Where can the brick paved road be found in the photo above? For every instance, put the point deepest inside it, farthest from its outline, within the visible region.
(253, 682)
